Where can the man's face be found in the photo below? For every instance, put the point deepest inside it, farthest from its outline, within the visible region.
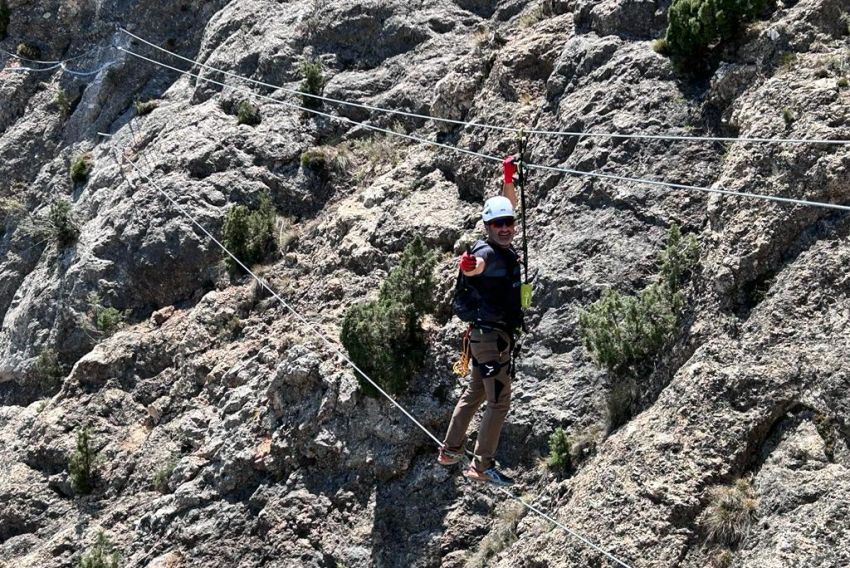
(501, 231)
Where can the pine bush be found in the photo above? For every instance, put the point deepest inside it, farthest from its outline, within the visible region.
(411, 282)
(163, 475)
(81, 167)
(62, 101)
(250, 233)
(559, 451)
(678, 258)
(63, 227)
(694, 26)
(384, 337)
(47, 370)
(313, 83)
(81, 464)
(101, 555)
(247, 113)
(621, 331)
(107, 320)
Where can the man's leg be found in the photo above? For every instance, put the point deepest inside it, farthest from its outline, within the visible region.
(494, 358)
(465, 409)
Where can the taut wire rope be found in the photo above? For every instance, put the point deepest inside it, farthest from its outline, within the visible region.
(676, 137)
(727, 192)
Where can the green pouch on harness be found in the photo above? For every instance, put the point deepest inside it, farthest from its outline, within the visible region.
(525, 295)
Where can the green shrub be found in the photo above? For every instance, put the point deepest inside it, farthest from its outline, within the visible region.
(101, 555)
(107, 320)
(145, 107)
(411, 282)
(81, 166)
(250, 233)
(622, 332)
(322, 160)
(788, 116)
(48, 370)
(4, 19)
(313, 83)
(559, 452)
(163, 475)
(247, 113)
(28, 51)
(81, 464)
(62, 102)
(694, 26)
(63, 228)
(730, 513)
(661, 46)
(315, 160)
(384, 337)
(842, 83)
(374, 335)
(678, 258)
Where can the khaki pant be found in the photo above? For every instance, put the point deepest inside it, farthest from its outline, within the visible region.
(491, 379)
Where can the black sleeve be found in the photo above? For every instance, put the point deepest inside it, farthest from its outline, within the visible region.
(483, 250)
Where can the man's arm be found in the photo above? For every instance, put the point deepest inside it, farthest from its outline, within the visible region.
(508, 189)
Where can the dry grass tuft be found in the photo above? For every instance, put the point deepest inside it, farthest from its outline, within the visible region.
(730, 512)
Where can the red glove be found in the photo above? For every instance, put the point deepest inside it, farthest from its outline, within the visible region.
(468, 262)
(509, 168)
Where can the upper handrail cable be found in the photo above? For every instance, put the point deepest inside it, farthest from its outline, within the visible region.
(569, 171)
(675, 137)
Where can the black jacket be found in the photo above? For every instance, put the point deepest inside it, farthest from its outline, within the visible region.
(494, 295)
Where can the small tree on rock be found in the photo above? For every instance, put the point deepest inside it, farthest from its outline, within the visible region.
(101, 555)
(559, 452)
(81, 464)
(250, 233)
(694, 26)
(63, 227)
(384, 337)
(313, 84)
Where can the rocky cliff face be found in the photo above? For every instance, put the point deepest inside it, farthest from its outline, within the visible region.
(229, 435)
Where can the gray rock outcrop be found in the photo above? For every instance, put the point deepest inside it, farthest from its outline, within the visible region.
(229, 434)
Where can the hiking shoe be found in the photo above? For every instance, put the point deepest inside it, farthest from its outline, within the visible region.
(491, 475)
(448, 457)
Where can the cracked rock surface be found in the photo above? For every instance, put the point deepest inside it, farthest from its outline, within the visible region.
(229, 434)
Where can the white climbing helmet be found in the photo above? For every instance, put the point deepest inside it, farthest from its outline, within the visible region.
(496, 207)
